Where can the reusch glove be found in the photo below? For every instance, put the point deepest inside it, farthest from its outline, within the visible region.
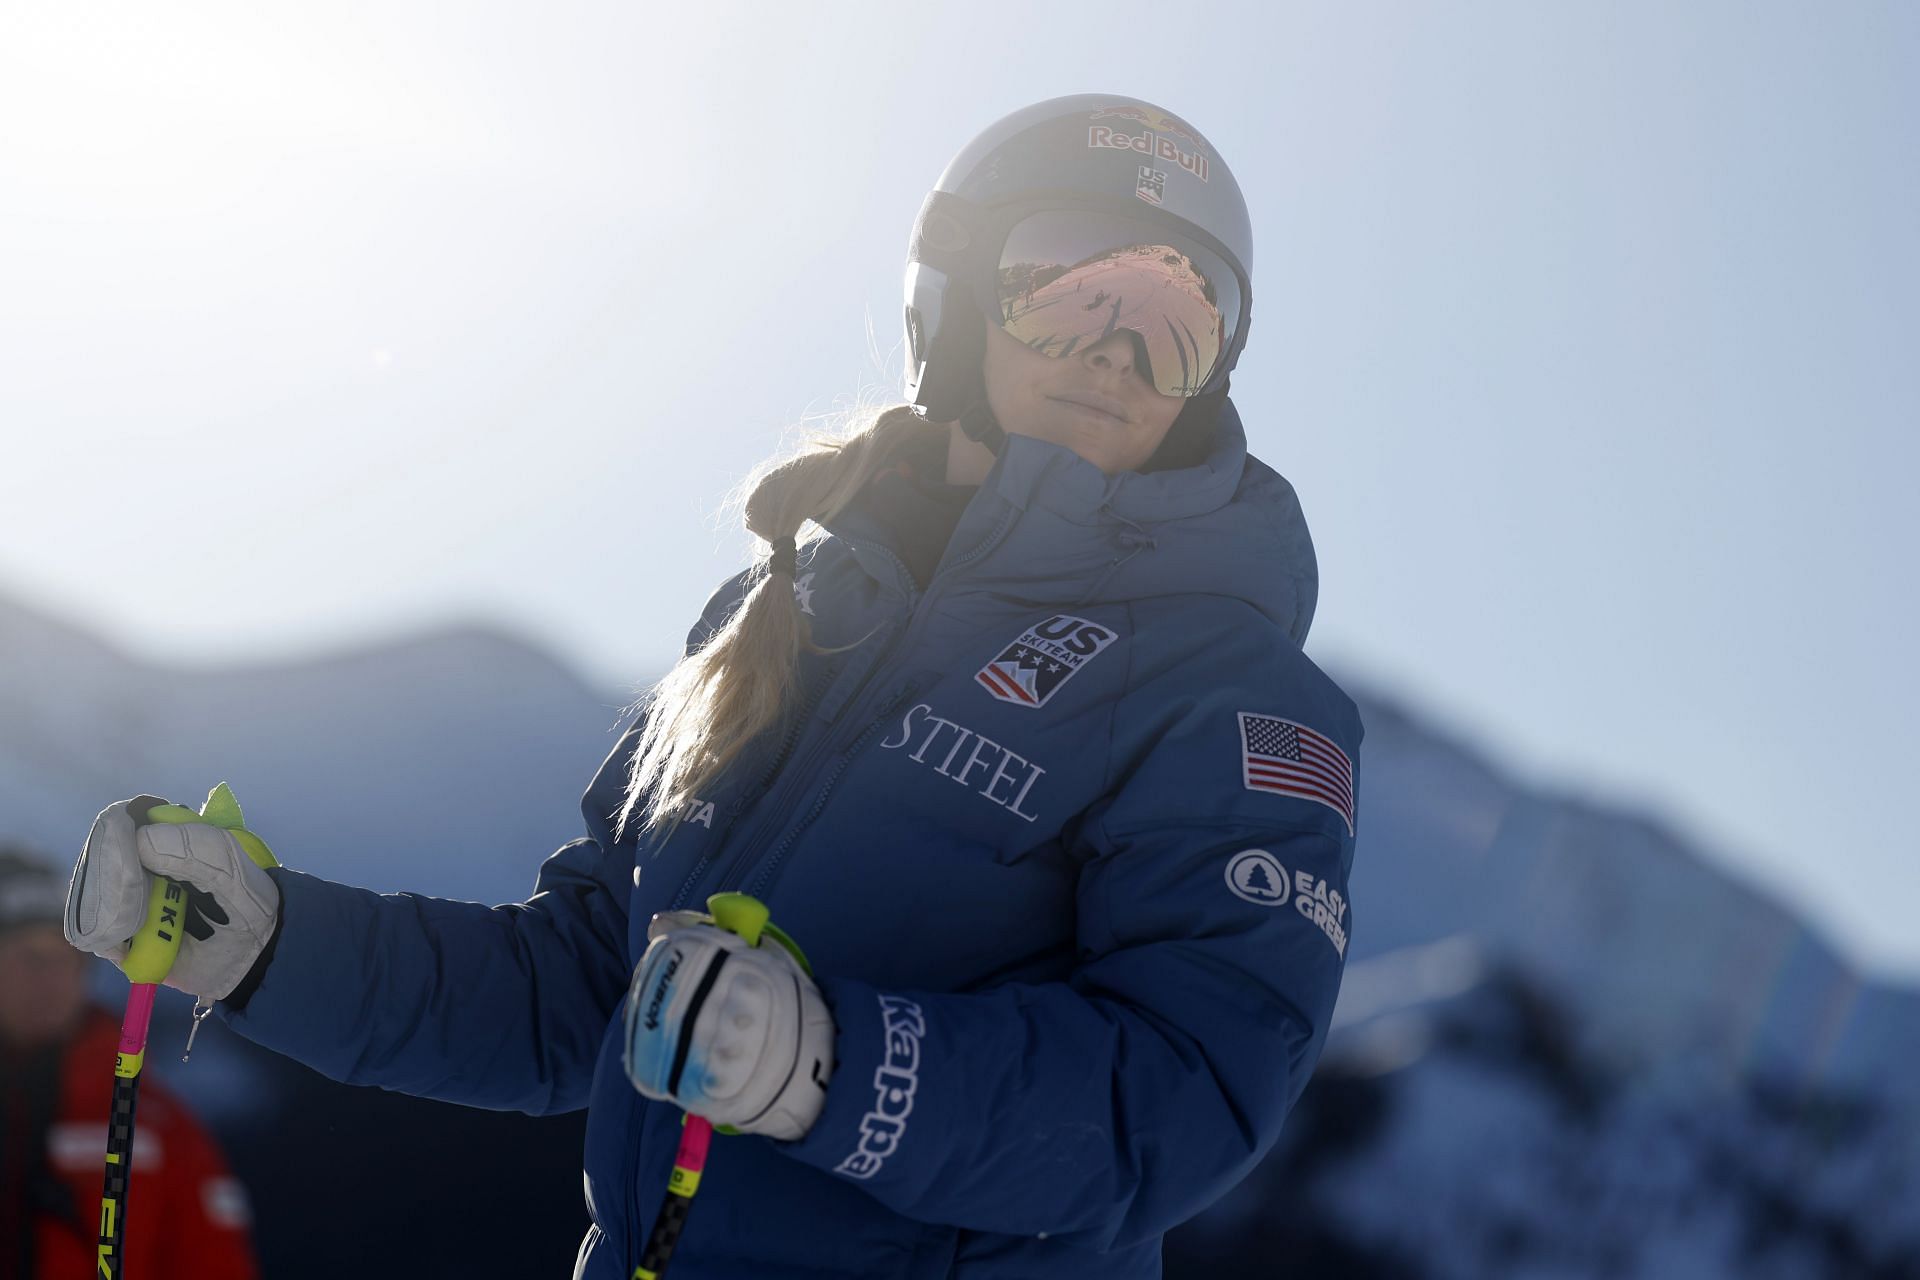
(734, 1033)
(232, 904)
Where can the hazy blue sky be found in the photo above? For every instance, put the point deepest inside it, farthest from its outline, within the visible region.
(1587, 333)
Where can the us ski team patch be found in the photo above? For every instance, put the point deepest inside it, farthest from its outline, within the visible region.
(1046, 656)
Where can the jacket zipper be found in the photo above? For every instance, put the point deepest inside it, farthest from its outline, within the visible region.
(743, 863)
(795, 733)
(769, 868)
(766, 779)
(775, 802)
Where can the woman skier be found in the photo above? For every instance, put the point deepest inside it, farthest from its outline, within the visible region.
(1021, 747)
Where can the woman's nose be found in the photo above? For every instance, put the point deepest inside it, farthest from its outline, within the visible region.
(1118, 351)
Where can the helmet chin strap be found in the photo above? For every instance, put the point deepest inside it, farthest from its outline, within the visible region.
(977, 423)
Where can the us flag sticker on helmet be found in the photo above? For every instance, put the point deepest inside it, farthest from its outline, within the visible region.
(1290, 759)
(1046, 655)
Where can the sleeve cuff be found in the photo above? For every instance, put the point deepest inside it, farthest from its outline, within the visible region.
(236, 1000)
(875, 1076)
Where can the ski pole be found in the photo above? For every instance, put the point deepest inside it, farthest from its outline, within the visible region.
(150, 956)
(746, 916)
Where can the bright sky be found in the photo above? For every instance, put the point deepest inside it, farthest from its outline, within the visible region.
(1587, 333)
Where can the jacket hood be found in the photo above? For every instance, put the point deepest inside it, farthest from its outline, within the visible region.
(1231, 526)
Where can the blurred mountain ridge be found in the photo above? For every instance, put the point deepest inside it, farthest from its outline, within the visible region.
(370, 761)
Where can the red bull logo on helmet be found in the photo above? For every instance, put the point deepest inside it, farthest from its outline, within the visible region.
(1150, 143)
(1159, 122)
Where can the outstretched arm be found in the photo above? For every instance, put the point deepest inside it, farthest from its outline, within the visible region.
(498, 1007)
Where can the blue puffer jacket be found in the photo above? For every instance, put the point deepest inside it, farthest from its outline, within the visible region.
(1066, 837)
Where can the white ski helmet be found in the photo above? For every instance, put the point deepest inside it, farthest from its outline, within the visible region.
(1114, 201)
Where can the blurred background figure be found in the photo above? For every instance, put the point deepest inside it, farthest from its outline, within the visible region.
(56, 1086)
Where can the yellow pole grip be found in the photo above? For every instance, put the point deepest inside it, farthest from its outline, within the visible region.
(151, 953)
(152, 950)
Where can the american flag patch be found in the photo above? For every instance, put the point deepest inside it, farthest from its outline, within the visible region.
(1290, 759)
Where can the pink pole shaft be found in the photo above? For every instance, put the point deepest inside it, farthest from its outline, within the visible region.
(133, 1028)
(695, 1138)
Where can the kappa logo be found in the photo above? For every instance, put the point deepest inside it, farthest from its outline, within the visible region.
(1258, 877)
(1046, 656)
(803, 593)
(895, 1081)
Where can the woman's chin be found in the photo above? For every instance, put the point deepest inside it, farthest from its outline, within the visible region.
(1097, 437)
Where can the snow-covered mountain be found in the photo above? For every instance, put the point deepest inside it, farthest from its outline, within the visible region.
(1659, 950)
(1568, 1043)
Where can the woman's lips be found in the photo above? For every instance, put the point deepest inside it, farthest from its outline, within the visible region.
(1094, 404)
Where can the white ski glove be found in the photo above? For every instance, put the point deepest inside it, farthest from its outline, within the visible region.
(735, 1033)
(232, 905)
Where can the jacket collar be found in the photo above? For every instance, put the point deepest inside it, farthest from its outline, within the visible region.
(1034, 472)
(1231, 526)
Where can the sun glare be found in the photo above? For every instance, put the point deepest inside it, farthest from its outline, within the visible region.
(139, 110)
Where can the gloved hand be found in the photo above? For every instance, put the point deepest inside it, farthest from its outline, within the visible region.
(735, 1033)
(232, 904)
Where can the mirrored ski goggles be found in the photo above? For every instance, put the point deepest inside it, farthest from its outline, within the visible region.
(1069, 278)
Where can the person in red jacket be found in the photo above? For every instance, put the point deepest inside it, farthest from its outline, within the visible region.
(56, 1088)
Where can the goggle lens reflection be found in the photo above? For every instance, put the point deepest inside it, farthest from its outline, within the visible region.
(1068, 279)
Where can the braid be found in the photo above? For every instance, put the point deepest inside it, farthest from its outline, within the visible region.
(736, 684)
